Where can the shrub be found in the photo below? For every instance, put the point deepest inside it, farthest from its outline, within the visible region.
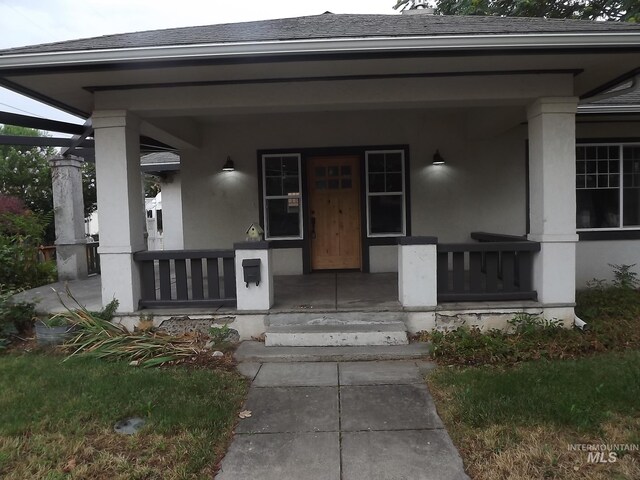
(20, 236)
(15, 318)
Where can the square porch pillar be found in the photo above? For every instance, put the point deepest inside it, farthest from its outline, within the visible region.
(417, 272)
(120, 205)
(68, 211)
(552, 198)
(251, 296)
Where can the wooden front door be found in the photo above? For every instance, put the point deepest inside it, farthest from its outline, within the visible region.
(334, 207)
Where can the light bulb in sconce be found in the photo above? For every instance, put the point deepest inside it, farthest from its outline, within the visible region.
(228, 165)
(437, 158)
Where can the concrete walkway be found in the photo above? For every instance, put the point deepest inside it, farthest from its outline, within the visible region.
(340, 421)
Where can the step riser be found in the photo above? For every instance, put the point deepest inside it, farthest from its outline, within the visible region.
(335, 339)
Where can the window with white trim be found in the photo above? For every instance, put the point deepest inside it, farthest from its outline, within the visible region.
(607, 186)
(281, 189)
(385, 194)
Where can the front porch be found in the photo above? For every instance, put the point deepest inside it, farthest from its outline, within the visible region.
(319, 292)
(333, 298)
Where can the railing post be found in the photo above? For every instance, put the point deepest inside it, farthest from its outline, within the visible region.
(417, 271)
(252, 296)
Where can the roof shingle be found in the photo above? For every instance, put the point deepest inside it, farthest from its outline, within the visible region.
(327, 26)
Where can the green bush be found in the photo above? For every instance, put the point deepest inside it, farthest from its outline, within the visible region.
(532, 337)
(20, 236)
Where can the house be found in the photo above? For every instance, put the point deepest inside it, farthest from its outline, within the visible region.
(375, 143)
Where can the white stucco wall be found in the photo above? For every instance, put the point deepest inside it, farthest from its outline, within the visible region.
(481, 187)
(593, 258)
(173, 238)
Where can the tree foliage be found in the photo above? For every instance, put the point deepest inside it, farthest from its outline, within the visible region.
(25, 174)
(623, 10)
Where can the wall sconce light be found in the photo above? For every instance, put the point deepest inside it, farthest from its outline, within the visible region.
(437, 158)
(228, 165)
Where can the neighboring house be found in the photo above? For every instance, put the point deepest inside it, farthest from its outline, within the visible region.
(337, 126)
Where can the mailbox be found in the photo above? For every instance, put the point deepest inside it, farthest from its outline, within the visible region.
(251, 269)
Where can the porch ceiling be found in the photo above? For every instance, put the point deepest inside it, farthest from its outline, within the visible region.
(74, 87)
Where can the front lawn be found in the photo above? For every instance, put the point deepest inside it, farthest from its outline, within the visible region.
(57, 419)
(519, 422)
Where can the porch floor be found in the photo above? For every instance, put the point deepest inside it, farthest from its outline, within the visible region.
(343, 291)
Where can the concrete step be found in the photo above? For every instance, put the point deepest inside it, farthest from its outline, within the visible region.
(335, 329)
(337, 335)
(250, 351)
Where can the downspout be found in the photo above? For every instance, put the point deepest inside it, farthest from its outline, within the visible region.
(580, 324)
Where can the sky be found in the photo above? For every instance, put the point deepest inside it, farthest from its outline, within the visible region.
(29, 22)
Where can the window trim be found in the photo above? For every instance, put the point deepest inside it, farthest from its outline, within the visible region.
(368, 194)
(620, 145)
(266, 198)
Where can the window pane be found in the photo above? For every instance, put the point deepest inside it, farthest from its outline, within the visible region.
(394, 162)
(376, 182)
(272, 166)
(376, 162)
(291, 185)
(290, 166)
(345, 170)
(631, 192)
(283, 217)
(321, 184)
(631, 202)
(385, 214)
(274, 186)
(333, 171)
(598, 208)
(614, 152)
(334, 184)
(346, 183)
(394, 182)
(321, 172)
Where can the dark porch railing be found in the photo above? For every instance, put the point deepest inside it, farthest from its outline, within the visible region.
(187, 278)
(493, 270)
(48, 253)
(93, 259)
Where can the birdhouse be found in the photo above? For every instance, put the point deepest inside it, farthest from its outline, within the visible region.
(254, 233)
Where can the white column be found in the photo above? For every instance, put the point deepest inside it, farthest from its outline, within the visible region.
(552, 197)
(68, 211)
(254, 297)
(172, 232)
(120, 209)
(417, 272)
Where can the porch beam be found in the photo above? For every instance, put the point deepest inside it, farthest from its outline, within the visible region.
(171, 101)
(552, 197)
(185, 134)
(120, 205)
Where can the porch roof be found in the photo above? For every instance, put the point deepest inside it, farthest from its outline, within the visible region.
(80, 76)
(330, 25)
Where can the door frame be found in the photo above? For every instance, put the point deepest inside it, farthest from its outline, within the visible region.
(359, 151)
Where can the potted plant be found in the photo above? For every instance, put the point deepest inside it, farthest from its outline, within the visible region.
(54, 330)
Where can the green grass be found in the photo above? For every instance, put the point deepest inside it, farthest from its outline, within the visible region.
(54, 412)
(580, 394)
